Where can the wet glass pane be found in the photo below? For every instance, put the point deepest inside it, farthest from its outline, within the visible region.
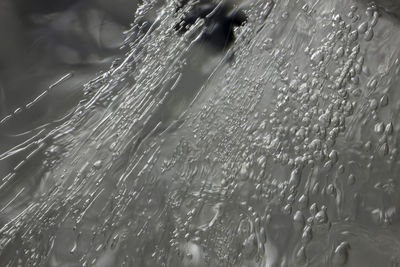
(199, 133)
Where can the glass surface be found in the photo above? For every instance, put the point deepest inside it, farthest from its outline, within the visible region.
(199, 133)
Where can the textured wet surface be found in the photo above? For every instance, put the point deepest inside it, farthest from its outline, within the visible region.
(278, 148)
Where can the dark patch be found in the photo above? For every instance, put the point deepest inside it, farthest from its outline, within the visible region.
(391, 7)
(43, 7)
(220, 20)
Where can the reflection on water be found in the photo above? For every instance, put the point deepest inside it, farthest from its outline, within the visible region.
(277, 148)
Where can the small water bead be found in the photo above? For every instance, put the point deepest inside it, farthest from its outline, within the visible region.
(301, 257)
(328, 165)
(368, 146)
(379, 128)
(313, 209)
(249, 246)
(366, 70)
(287, 209)
(298, 219)
(316, 144)
(353, 36)
(384, 101)
(295, 177)
(375, 18)
(303, 201)
(350, 14)
(74, 248)
(389, 128)
(355, 80)
(383, 149)
(331, 190)
(307, 234)
(369, 34)
(192, 255)
(291, 199)
(97, 164)
(317, 56)
(340, 53)
(263, 235)
(333, 156)
(373, 104)
(369, 12)
(325, 119)
(355, 18)
(315, 189)
(321, 216)
(244, 171)
(372, 84)
(353, 8)
(362, 28)
(112, 146)
(340, 255)
(351, 179)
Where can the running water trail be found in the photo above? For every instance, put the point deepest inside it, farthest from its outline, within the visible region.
(286, 156)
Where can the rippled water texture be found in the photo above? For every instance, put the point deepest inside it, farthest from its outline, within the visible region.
(280, 149)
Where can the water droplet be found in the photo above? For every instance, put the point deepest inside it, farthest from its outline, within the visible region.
(362, 28)
(321, 217)
(375, 18)
(384, 149)
(351, 179)
(353, 36)
(369, 34)
(249, 246)
(74, 248)
(379, 128)
(331, 190)
(313, 209)
(287, 209)
(317, 56)
(97, 164)
(295, 177)
(389, 128)
(301, 257)
(384, 100)
(299, 219)
(333, 156)
(340, 255)
(373, 104)
(303, 201)
(307, 234)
